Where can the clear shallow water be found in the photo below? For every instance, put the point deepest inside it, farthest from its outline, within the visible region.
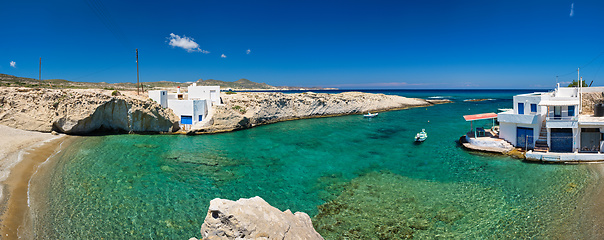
(361, 173)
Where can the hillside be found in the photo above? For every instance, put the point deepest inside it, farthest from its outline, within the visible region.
(14, 81)
(239, 84)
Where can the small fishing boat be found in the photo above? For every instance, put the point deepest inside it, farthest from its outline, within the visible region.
(370, 115)
(421, 136)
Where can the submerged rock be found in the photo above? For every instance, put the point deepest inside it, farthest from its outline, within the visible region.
(254, 218)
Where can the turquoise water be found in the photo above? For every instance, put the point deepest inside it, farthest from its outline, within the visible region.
(339, 170)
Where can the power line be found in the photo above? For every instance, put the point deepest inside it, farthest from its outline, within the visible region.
(582, 67)
(99, 71)
(100, 11)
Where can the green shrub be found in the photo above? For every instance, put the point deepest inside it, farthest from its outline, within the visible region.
(230, 92)
(115, 93)
(240, 109)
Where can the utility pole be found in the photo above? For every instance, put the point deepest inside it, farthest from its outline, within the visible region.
(40, 72)
(137, 72)
(580, 81)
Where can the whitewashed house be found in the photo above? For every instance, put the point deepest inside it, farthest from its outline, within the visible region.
(555, 125)
(521, 125)
(191, 107)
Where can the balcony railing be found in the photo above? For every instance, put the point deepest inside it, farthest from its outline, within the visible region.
(562, 119)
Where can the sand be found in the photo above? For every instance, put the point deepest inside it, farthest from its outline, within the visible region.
(591, 215)
(21, 152)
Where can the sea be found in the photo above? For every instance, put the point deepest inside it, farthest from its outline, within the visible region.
(356, 178)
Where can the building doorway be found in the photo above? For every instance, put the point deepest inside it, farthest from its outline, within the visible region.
(524, 137)
(590, 139)
(561, 140)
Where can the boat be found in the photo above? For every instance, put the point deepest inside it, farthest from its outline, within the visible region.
(421, 136)
(370, 115)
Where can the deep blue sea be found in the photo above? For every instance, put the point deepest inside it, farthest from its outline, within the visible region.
(357, 178)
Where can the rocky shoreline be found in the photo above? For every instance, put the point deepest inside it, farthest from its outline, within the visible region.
(85, 111)
(249, 109)
(81, 111)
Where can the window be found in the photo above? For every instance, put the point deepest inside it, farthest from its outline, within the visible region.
(533, 107)
(200, 117)
(520, 108)
(571, 111)
(557, 112)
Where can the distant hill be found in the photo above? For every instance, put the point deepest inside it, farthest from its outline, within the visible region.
(239, 84)
(14, 81)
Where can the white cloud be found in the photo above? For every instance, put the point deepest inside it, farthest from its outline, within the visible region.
(572, 9)
(223, 56)
(248, 51)
(185, 43)
(13, 64)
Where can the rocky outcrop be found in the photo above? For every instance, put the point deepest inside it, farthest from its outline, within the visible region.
(245, 110)
(588, 101)
(81, 112)
(254, 218)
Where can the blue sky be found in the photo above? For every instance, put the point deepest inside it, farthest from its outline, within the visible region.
(345, 44)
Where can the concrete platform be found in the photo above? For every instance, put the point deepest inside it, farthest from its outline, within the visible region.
(564, 157)
(486, 144)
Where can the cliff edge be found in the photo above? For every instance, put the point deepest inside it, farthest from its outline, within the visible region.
(254, 218)
(81, 111)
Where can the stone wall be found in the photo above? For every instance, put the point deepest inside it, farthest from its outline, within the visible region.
(589, 99)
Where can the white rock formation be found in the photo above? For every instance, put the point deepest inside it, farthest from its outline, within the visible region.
(254, 218)
(245, 110)
(81, 111)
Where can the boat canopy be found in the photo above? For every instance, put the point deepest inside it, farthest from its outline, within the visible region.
(480, 116)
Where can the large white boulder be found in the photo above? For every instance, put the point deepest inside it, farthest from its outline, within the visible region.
(254, 218)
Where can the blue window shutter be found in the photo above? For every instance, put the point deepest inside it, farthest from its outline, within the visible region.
(571, 111)
(533, 107)
(200, 117)
(520, 108)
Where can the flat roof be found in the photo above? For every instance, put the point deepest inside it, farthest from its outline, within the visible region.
(480, 116)
(559, 103)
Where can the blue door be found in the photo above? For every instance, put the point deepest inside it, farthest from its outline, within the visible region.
(186, 119)
(524, 137)
(562, 140)
(520, 108)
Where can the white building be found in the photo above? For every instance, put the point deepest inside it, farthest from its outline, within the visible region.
(191, 107)
(553, 122)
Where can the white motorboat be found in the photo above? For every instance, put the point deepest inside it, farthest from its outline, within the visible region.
(421, 136)
(370, 115)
